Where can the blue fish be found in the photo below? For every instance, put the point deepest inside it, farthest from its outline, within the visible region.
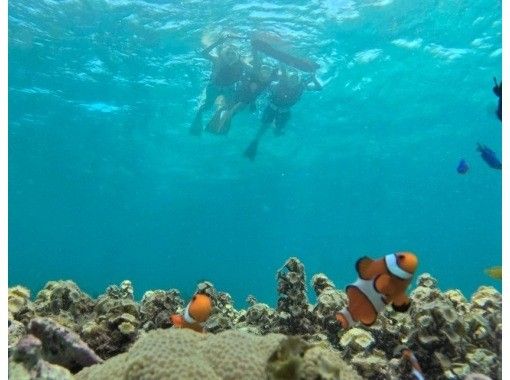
(463, 167)
(489, 157)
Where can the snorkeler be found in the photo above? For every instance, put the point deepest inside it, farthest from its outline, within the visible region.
(284, 94)
(253, 83)
(498, 90)
(228, 69)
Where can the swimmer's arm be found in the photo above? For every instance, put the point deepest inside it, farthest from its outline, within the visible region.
(206, 53)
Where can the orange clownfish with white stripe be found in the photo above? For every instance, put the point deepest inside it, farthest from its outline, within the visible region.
(380, 282)
(195, 314)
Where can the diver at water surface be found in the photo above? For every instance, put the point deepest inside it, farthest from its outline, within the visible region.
(228, 69)
(252, 84)
(284, 94)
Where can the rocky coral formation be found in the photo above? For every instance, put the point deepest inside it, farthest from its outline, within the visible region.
(296, 359)
(116, 323)
(19, 305)
(26, 363)
(157, 306)
(452, 337)
(65, 303)
(329, 301)
(62, 346)
(293, 315)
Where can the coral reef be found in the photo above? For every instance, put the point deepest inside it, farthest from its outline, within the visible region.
(116, 322)
(157, 306)
(451, 336)
(65, 303)
(296, 359)
(293, 315)
(231, 354)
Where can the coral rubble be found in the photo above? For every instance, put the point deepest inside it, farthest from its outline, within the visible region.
(64, 330)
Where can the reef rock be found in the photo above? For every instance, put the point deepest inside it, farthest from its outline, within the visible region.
(62, 346)
(20, 307)
(357, 340)
(65, 303)
(16, 331)
(157, 306)
(293, 315)
(26, 363)
(329, 301)
(117, 321)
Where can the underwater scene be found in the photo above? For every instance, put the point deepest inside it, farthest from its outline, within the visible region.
(255, 190)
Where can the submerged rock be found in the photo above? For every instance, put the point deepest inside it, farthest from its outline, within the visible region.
(62, 346)
(26, 363)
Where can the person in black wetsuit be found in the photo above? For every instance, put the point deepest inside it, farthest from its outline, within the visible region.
(284, 95)
(498, 90)
(253, 83)
(228, 69)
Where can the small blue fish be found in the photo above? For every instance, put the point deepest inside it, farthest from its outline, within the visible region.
(463, 167)
(489, 157)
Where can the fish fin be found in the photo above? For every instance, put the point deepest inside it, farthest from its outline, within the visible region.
(401, 308)
(177, 320)
(382, 283)
(401, 303)
(363, 266)
(344, 323)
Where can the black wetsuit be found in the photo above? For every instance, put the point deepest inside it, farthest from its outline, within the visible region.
(281, 100)
(228, 75)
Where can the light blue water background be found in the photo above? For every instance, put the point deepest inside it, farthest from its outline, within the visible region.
(106, 184)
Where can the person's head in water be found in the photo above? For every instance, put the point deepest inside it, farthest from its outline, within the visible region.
(229, 55)
(292, 79)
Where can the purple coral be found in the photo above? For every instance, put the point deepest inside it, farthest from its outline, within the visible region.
(62, 346)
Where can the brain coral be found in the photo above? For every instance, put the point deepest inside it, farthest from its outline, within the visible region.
(184, 354)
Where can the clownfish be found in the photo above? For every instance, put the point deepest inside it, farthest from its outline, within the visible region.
(380, 282)
(195, 314)
(416, 370)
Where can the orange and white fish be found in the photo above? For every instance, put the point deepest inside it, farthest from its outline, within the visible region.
(380, 282)
(195, 314)
(416, 370)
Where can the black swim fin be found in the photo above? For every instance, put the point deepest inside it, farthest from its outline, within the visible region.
(220, 123)
(251, 151)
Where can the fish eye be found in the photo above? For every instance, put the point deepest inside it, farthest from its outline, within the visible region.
(400, 257)
(194, 298)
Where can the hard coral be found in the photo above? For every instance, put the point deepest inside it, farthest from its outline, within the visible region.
(116, 322)
(65, 303)
(185, 354)
(292, 314)
(157, 306)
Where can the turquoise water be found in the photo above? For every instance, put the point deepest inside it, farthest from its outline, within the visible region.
(107, 184)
